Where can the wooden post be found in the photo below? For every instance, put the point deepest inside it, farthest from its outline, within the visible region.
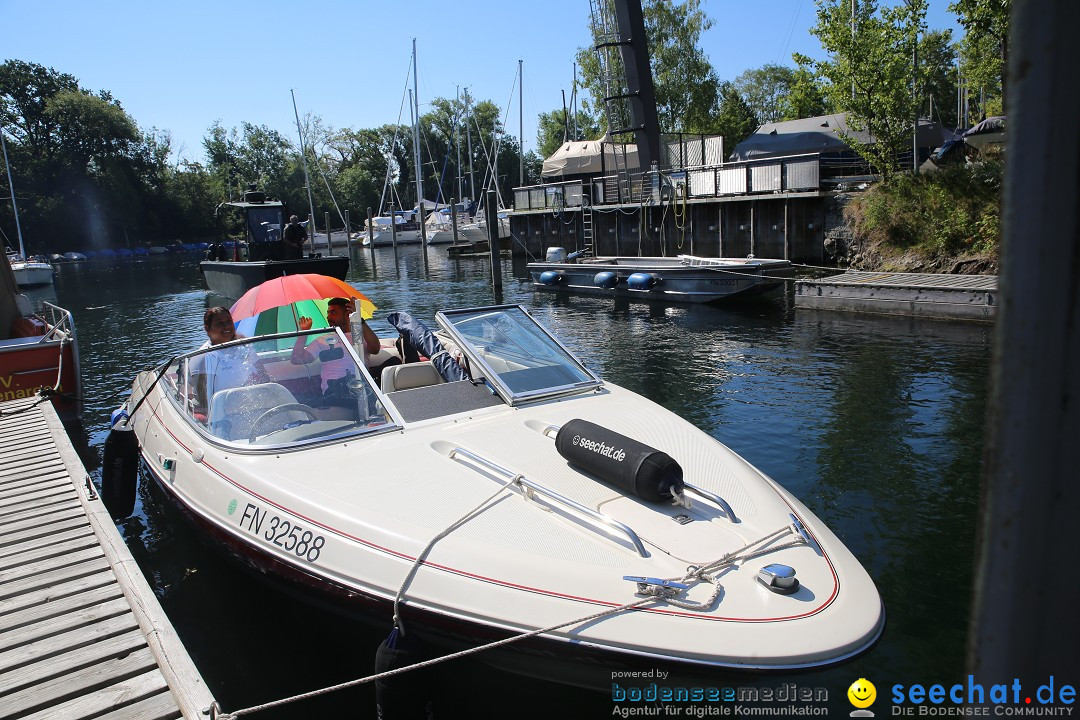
(370, 233)
(393, 230)
(752, 203)
(328, 241)
(1025, 592)
(492, 214)
(453, 217)
(787, 232)
(348, 234)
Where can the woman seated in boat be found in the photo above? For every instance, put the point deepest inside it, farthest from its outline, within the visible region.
(226, 368)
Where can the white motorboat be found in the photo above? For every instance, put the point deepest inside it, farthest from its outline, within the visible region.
(529, 495)
(30, 273)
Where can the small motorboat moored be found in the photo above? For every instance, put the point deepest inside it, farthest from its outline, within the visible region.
(497, 489)
(683, 278)
(230, 270)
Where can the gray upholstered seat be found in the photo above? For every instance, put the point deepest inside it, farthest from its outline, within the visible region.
(410, 375)
(233, 411)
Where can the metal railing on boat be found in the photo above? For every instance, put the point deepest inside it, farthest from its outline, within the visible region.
(530, 489)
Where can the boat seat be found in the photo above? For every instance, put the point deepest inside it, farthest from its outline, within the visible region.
(234, 410)
(409, 375)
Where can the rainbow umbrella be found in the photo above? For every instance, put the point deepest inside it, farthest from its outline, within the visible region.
(290, 289)
(284, 318)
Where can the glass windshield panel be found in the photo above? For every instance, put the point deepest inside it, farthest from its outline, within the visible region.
(264, 392)
(515, 352)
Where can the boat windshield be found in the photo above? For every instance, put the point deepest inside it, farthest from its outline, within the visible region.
(277, 391)
(520, 359)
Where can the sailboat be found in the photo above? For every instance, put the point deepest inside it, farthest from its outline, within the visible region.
(28, 273)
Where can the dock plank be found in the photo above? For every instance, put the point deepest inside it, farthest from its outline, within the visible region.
(40, 566)
(84, 618)
(81, 633)
(76, 684)
(52, 577)
(72, 587)
(59, 643)
(130, 700)
(74, 660)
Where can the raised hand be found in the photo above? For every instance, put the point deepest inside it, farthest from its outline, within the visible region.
(305, 323)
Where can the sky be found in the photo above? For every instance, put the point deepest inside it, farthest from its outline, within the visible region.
(182, 66)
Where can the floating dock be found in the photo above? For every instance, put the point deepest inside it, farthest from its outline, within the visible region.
(958, 297)
(81, 633)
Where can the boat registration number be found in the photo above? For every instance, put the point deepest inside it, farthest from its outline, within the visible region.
(287, 535)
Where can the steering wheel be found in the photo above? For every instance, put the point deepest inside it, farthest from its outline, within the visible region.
(286, 407)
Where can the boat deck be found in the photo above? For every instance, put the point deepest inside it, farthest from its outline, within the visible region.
(81, 633)
(963, 297)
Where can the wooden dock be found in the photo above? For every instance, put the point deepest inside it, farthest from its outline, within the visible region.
(958, 297)
(81, 633)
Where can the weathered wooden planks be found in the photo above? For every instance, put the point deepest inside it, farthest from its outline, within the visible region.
(81, 633)
(961, 297)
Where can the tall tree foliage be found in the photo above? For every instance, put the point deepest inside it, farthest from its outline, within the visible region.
(86, 172)
(764, 90)
(870, 71)
(687, 87)
(984, 51)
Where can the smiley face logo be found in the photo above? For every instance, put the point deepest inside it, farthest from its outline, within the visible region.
(862, 693)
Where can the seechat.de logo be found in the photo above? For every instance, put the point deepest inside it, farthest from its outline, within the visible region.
(862, 695)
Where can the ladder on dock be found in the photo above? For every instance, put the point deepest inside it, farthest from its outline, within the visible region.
(81, 633)
(586, 225)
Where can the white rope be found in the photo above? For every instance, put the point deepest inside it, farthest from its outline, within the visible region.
(423, 553)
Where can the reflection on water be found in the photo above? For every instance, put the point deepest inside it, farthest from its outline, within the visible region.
(875, 423)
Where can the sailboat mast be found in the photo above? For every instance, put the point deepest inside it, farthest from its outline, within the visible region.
(521, 127)
(14, 207)
(468, 136)
(303, 157)
(457, 142)
(416, 139)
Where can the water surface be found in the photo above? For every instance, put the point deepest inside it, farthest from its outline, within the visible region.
(875, 423)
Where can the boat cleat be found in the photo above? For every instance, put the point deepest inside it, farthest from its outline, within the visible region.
(651, 586)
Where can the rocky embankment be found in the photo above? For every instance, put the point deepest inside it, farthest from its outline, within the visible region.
(845, 248)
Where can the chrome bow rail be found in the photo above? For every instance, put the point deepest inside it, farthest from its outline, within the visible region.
(530, 490)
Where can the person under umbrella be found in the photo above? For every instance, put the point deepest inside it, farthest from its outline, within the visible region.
(335, 372)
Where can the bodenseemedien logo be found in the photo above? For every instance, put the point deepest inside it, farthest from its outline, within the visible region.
(862, 695)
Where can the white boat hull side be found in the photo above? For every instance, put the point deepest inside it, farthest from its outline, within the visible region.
(517, 566)
(32, 274)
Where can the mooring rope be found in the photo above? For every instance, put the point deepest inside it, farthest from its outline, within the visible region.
(44, 393)
(655, 594)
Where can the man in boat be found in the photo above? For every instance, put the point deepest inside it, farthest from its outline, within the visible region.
(293, 238)
(336, 372)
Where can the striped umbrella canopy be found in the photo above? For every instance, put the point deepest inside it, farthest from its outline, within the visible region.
(290, 289)
(284, 318)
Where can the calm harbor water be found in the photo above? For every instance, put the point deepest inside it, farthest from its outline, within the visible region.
(875, 423)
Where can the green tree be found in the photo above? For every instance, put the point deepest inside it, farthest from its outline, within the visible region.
(555, 128)
(807, 96)
(764, 90)
(870, 72)
(686, 85)
(984, 51)
(735, 120)
(937, 56)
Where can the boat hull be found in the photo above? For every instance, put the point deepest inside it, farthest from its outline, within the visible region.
(231, 279)
(32, 274)
(666, 279)
(347, 534)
